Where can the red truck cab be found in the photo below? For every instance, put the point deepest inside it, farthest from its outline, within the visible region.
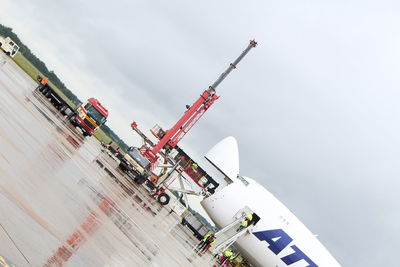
(89, 116)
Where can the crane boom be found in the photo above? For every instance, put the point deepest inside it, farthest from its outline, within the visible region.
(194, 112)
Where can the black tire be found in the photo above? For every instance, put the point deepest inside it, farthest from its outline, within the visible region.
(163, 199)
(86, 133)
(139, 179)
(72, 114)
(63, 108)
(123, 166)
(47, 93)
(44, 90)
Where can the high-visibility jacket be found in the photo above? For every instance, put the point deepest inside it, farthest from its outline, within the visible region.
(228, 253)
(212, 239)
(44, 81)
(249, 216)
(206, 236)
(244, 223)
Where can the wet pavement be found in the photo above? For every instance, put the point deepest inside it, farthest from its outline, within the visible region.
(58, 207)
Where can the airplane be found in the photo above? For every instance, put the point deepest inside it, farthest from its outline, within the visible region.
(279, 238)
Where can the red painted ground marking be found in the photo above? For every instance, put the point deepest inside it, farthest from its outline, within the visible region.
(77, 238)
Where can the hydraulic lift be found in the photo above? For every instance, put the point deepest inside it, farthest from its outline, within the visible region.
(169, 139)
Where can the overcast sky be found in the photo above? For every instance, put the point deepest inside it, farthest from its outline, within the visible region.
(315, 107)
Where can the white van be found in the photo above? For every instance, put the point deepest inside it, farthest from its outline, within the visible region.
(8, 46)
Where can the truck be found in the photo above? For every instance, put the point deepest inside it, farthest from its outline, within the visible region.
(135, 165)
(8, 46)
(88, 116)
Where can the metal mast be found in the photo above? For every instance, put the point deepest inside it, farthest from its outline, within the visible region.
(194, 112)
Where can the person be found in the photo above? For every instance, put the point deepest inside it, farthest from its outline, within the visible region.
(203, 241)
(246, 222)
(195, 166)
(209, 242)
(43, 83)
(226, 255)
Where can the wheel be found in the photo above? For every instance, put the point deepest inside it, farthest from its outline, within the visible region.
(140, 179)
(86, 133)
(123, 166)
(47, 93)
(163, 199)
(44, 90)
(71, 115)
(62, 109)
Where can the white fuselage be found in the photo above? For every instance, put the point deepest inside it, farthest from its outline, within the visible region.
(278, 239)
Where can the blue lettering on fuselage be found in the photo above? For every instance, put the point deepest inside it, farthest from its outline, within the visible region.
(278, 240)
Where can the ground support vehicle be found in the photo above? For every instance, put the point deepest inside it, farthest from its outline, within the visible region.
(8, 46)
(167, 144)
(88, 116)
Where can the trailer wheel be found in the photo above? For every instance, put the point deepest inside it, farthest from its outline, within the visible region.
(163, 199)
(47, 93)
(62, 109)
(71, 115)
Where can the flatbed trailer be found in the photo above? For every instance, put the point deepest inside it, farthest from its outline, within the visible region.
(56, 100)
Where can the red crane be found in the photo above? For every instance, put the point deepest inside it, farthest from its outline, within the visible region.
(194, 112)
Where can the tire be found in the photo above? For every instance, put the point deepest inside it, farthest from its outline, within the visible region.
(72, 114)
(163, 199)
(62, 109)
(140, 179)
(86, 133)
(47, 93)
(123, 166)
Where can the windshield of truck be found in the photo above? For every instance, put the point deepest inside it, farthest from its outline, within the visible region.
(142, 161)
(95, 114)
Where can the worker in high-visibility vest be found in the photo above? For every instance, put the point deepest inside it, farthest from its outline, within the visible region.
(246, 222)
(42, 83)
(195, 166)
(226, 255)
(209, 242)
(203, 241)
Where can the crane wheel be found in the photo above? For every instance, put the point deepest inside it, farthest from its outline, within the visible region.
(163, 199)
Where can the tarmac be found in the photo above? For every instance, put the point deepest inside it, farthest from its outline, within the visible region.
(63, 202)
